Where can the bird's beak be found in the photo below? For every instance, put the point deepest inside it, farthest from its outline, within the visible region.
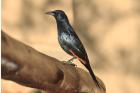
(50, 13)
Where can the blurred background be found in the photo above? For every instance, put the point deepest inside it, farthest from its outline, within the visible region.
(109, 30)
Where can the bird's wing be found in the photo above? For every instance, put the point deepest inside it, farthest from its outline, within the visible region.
(77, 47)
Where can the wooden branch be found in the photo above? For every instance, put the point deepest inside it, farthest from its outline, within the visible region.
(26, 66)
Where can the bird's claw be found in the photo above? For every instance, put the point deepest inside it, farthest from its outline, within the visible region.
(69, 62)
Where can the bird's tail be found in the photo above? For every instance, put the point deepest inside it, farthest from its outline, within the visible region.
(92, 74)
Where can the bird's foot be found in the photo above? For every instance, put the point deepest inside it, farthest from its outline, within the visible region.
(69, 62)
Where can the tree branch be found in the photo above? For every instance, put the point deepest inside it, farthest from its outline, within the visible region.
(26, 66)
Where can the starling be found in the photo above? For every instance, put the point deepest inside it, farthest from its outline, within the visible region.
(70, 42)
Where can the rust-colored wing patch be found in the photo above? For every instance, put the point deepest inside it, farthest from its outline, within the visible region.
(82, 61)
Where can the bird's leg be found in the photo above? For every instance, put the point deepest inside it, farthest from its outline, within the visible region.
(70, 61)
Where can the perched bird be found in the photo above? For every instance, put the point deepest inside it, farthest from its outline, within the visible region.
(70, 42)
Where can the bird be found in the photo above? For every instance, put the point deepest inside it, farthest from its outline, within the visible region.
(70, 42)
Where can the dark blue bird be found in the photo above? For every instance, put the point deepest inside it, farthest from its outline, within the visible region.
(70, 42)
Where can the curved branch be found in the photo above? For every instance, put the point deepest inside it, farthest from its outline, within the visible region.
(26, 66)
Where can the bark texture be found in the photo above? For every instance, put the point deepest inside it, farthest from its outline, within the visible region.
(28, 67)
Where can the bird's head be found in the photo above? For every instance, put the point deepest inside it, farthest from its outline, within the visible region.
(58, 14)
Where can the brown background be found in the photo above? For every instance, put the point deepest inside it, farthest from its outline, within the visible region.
(109, 29)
